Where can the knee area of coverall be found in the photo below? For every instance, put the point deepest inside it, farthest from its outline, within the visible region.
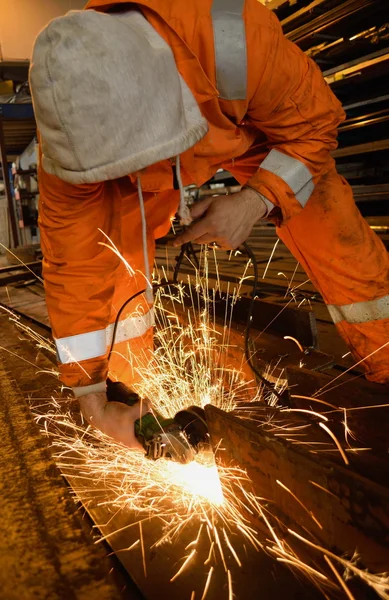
(332, 241)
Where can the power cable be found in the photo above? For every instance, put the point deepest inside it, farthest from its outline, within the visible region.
(174, 282)
(247, 352)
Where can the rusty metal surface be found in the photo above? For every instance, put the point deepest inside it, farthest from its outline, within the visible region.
(369, 426)
(353, 511)
(163, 561)
(46, 550)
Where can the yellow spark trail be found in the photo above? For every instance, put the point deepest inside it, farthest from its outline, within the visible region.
(290, 337)
(338, 577)
(207, 584)
(379, 582)
(187, 561)
(190, 366)
(336, 441)
(303, 410)
(310, 513)
(230, 592)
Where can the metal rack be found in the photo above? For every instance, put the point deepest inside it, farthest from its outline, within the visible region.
(349, 40)
(17, 130)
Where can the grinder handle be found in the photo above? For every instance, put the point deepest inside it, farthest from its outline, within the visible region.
(119, 392)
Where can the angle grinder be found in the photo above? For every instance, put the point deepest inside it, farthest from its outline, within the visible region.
(178, 439)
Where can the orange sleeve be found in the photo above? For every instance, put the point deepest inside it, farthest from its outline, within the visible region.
(79, 273)
(292, 105)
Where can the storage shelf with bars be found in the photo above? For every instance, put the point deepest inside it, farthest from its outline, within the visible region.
(18, 132)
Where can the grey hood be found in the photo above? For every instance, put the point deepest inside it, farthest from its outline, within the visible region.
(108, 97)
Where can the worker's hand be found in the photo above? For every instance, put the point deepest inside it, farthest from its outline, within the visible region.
(226, 220)
(115, 419)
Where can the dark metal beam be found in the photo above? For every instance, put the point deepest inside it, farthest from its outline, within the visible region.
(361, 148)
(36, 264)
(351, 510)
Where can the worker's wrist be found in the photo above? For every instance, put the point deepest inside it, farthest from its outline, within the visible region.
(94, 388)
(84, 373)
(265, 206)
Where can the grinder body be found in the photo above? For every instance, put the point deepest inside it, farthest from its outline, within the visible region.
(161, 437)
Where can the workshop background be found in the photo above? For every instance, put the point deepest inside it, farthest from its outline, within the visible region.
(48, 537)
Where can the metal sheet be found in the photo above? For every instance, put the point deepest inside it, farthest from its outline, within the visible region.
(163, 561)
(352, 510)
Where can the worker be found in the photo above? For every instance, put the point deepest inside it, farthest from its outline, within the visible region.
(131, 99)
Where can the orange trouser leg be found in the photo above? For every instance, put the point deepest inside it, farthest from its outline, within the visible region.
(130, 358)
(348, 264)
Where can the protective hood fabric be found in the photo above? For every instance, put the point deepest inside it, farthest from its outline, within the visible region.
(108, 98)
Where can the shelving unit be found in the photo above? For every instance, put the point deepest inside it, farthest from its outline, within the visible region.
(17, 131)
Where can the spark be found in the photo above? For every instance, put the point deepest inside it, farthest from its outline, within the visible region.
(270, 258)
(289, 337)
(274, 318)
(206, 562)
(23, 359)
(355, 450)
(296, 287)
(41, 342)
(131, 547)
(379, 582)
(272, 531)
(230, 592)
(21, 262)
(190, 366)
(354, 408)
(199, 481)
(314, 400)
(234, 554)
(207, 584)
(142, 548)
(294, 562)
(310, 513)
(347, 431)
(218, 544)
(338, 577)
(306, 411)
(291, 280)
(323, 489)
(195, 542)
(183, 567)
(111, 246)
(336, 441)
(321, 390)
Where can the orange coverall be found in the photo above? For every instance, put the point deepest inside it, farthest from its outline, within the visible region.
(289, 109)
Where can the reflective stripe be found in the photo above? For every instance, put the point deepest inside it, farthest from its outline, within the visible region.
(84, 346)
(230, 49)
(305, 193)
(293, 172)
(360, 312)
